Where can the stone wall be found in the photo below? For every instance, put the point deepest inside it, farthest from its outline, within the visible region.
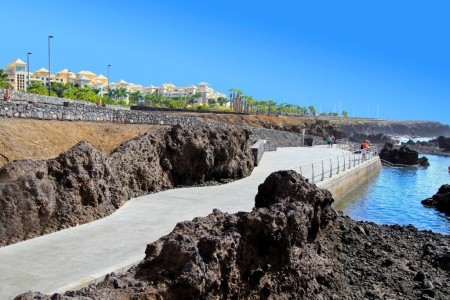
(18, 96)
(32, 106)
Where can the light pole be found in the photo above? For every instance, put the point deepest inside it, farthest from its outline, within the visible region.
(49, 72)
(109, 66)
(28, 69)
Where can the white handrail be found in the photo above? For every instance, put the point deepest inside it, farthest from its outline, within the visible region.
(316, 171)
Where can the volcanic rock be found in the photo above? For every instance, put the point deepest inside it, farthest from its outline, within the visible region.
(81, 185)
(402, 156)
(373, 138)
(291, 245)
(444, 143)
(440, 200)
(38, 197)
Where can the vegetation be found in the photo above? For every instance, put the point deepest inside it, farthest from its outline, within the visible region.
(37, 88)
(73, 92)
(239, 102)
(3, 77)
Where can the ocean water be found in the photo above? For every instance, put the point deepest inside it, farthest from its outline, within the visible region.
(393, 196)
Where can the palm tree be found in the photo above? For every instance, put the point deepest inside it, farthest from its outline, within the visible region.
(312, 110)
(135, 97)
(121, 93)
(270, 106)
(112, 94)
(3, 80)
(235, 99)
(221, 101)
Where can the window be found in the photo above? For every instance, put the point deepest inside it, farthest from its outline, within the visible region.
(20, 69)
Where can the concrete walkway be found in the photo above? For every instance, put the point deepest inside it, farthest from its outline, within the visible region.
(77, 256)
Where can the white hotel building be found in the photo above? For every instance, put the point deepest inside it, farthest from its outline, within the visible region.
(18, 78)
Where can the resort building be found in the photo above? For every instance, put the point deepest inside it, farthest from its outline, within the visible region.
(20, 80)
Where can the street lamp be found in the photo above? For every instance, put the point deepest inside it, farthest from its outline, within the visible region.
(109, 66)
(28, 69)
(49, 72)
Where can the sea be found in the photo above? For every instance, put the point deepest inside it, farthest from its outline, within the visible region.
(393, 196)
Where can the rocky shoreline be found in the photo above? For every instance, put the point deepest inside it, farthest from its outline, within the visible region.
(291, 245)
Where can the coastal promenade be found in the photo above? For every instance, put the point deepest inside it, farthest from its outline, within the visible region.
(78, 256)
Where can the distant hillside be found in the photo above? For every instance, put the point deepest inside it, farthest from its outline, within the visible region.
(411, 128)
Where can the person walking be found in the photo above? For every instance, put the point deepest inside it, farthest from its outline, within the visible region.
(329, 141)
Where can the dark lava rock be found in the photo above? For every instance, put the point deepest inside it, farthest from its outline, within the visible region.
(444, 143)
(402, 156)
(81, 185)
(38, 197)
(373, 138)
(292, 245)
(440, 200)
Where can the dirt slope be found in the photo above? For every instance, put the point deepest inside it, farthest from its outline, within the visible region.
(36, 139)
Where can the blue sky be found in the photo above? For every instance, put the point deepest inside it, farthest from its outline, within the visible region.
(390, 58)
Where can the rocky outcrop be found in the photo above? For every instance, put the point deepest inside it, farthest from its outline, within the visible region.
(444, 143)
(440, 200)
(181, 156)
(38, 197)
(402, 156)
(291, 245)
(417, 128)
(81, 185)
(373, 138)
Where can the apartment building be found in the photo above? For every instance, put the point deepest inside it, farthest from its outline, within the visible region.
(19, 79)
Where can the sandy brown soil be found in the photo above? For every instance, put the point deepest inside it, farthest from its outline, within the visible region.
(36, 139)
(42, 139)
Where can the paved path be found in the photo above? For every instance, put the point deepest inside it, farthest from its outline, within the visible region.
(76, 256)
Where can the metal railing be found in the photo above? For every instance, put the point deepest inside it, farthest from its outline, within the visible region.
(326, 168)
(343, 144)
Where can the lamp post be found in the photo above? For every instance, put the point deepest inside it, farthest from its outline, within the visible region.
(109, 66)
(28, 69)
(49, 71)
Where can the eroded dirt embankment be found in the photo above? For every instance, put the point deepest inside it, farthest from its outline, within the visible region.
(82, 184)
(293, 245)
(43, 139)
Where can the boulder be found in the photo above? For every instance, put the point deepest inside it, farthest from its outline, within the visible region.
(81, 185)
(292, 245)
(240, 255)
(440, 200)
(402, 156)
(39, 197)
(444, 143)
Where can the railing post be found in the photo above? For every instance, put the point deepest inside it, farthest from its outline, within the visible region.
(331, 168)
(301, 170)
(344, 161)
(338, 167)
(322, 172)
(312, 168)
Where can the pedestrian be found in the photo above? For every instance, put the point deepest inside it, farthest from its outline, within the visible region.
(7, 96)
(329, 140)
(364, 147)
(333, 140)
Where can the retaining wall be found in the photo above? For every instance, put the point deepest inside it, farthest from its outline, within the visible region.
(343, 183)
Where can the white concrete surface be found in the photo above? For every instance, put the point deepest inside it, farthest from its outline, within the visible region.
(77, 256)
